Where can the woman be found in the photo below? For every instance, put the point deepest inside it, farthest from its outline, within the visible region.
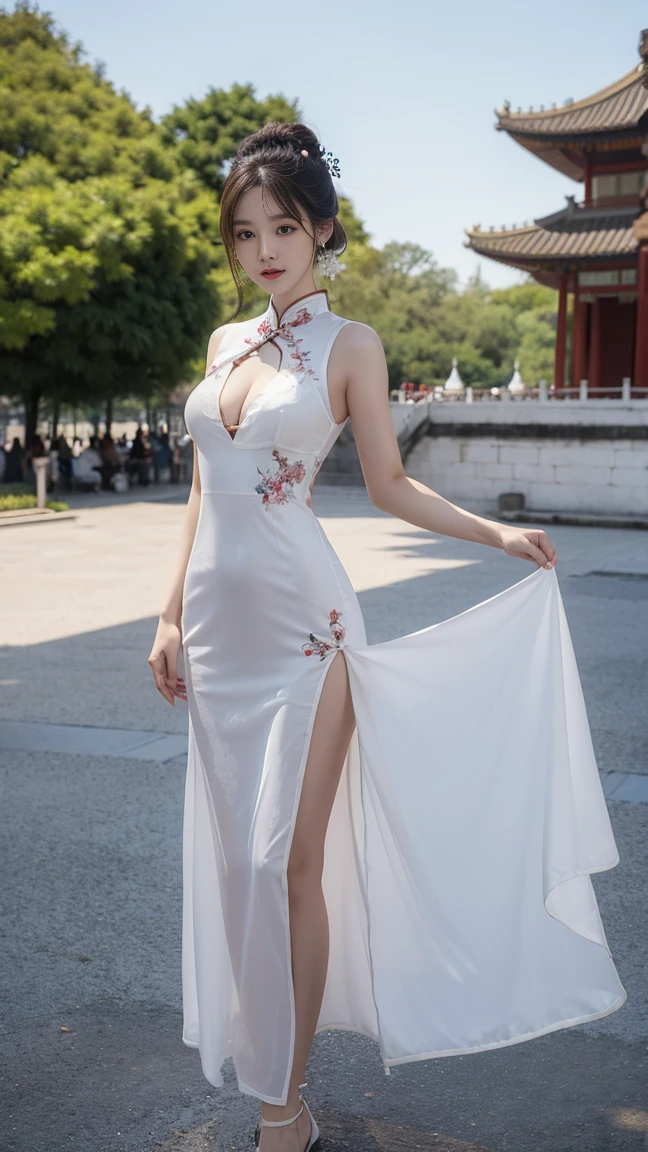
(393, 838)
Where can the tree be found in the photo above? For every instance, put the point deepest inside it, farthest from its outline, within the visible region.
(206, 133)
(106, 244)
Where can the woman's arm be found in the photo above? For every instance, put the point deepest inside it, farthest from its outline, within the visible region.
(358, 369)
(163, 660)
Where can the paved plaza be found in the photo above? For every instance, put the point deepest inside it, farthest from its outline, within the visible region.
(92, 766)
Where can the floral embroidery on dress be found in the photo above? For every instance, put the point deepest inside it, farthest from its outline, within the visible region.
(277, 487)
(268, 331)
(316, 646)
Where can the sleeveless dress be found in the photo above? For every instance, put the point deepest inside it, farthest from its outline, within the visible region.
(469, 813)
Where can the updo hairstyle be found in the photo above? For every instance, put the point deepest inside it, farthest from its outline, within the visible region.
(302, 185)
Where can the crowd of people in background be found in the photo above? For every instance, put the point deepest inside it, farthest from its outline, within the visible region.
(99, 462)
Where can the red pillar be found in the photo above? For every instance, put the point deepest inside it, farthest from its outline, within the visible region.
(595, 345)
(641, 340)
(579, 338)
(561, 335)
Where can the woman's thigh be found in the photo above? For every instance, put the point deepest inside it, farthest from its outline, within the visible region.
(331, 734)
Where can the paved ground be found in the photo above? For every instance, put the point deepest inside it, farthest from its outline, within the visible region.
(90, 1042)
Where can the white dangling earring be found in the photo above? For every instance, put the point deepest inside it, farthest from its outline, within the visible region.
(328, 263)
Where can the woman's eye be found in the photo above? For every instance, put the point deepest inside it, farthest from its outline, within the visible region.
(242, 235)
(288, 226)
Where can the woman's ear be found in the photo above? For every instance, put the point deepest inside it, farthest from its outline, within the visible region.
(325, 232)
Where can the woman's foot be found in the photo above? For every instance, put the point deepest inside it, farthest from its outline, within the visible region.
(290, 1137)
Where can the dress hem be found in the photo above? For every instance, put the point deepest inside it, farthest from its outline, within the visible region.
(398, 1060)
(571, 1023)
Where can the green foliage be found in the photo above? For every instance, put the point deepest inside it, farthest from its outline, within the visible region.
(205, 133)
(424, 320)
(15, 503)
(106, 243)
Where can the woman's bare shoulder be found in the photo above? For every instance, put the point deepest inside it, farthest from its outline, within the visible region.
(217, 336)
(356, 343)
(356, 335)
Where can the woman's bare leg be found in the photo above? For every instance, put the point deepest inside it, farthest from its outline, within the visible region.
(331, 734)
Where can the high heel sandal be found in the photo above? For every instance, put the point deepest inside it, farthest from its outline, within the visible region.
(314, 1133)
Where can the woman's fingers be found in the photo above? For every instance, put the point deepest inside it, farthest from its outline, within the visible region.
(180, 689)
(544, 551)
(531, 544)
(158, 666)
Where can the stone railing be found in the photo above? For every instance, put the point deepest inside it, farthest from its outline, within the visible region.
(624, 392)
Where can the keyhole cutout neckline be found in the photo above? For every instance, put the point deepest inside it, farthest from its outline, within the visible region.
(320, 304)
(233, 429)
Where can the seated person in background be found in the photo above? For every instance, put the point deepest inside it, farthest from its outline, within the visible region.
(87, 467)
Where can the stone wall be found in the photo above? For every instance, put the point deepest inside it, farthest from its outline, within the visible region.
(563, 456)
(558, 476)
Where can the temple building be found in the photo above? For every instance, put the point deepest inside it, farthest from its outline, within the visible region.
(596, 249)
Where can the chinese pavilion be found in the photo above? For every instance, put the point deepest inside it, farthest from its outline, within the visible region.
(596, 249)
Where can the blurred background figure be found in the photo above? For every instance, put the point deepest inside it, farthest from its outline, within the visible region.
(88, 466)
(139, 458)
(110, 460)
(64, 462)
(14, 472)
(162, 458)
(36, 448)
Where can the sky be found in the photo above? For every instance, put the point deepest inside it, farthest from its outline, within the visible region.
(403, 93)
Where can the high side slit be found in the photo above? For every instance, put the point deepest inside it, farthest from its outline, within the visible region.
(469, 814)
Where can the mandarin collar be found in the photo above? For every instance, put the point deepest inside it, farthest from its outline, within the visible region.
(313, 302)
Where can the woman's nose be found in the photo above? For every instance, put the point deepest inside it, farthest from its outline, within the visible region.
(266, 248)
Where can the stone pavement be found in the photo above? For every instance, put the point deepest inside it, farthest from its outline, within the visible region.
(93, 775)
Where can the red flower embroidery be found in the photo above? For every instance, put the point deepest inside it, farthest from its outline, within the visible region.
(277, 487)
(267, 331)
(316, 646)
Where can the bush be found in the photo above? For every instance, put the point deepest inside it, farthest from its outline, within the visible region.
(15, 501)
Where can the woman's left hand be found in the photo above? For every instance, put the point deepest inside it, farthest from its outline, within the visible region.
(528, 544)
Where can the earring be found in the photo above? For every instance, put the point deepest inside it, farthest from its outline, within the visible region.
(328, 263)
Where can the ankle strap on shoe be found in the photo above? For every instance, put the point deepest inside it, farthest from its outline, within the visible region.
(281, 1123)
(304, 1085)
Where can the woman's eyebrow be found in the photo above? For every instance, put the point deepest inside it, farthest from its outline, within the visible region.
(279, 216)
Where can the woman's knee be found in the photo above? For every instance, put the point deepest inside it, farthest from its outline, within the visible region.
(305, 868)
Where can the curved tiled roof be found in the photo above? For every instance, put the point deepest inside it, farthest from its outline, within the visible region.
(559, 240)
(618, 107)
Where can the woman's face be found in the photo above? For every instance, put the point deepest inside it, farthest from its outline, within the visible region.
(275, 250)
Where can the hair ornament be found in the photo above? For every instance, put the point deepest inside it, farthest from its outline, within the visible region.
(304, 152)
(333, 164)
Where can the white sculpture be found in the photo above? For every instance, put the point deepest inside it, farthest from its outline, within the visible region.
(454, 383)
(516, 383)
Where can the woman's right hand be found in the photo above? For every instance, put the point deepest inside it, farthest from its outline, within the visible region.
(164, 662)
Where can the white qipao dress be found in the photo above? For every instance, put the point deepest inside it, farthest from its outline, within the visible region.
(469, 814)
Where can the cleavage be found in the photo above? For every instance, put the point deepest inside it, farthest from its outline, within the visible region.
(246, 380)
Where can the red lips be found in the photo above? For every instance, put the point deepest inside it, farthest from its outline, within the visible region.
(272, 273)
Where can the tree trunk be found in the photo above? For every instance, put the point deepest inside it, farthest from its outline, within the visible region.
(31, 416)
(109, 414)
(56, 415)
